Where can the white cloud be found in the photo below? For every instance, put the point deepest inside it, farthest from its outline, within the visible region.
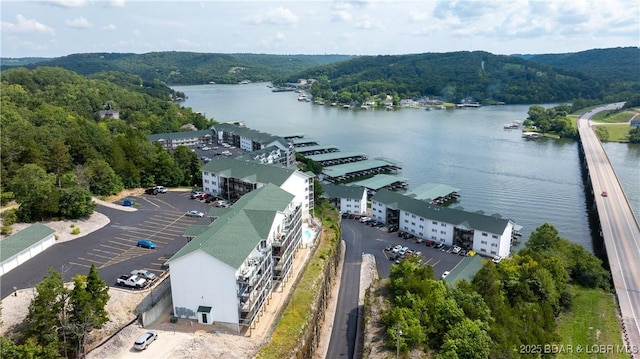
(117, 3)
(341, 15)
(367, 22)
(68, 3)
(27, 26)
(136, 33)
(184, 43)
(79, 23)
(276, 16)
(110, 27)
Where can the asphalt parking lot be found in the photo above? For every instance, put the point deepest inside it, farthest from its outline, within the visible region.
(113, 248)
(375, 239)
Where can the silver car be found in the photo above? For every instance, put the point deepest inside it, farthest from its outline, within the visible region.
(145, 339)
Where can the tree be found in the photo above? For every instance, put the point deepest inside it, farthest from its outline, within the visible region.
(43, 321)
(36, 192)
(88, 299)
(76, 202)
(103, 181)
(467, 339)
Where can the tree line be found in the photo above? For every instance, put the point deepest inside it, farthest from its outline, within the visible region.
(505, 306)
(57, 151)
(60, 319)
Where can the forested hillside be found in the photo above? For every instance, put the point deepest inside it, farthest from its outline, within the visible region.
(57, 151)
(189, 68)
(618, 64)
(454, 76)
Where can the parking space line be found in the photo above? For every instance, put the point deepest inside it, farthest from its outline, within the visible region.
(99, 256)
(79, 264)
(116, 248)
(148, 201)
(89, 260)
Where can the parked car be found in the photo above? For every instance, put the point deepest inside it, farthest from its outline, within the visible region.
(430, 243)
(388, 248)
(161, 189)
(132, 281)
(456, 250)
(194, 213)
(463, 253)
(392, 229)
(195, 194)
(496, 259)
(151, 190)
(445, 274)
(145, 339)
(471, 253)
(400, 233)
(396, 249)
(146, 243)
(438, 245)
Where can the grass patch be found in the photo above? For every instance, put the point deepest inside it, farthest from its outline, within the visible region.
(592, 321)
(298, 310)
(618, 132)
(614, 116)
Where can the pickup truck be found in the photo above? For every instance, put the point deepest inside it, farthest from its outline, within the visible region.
(144, 274)
(131, 281)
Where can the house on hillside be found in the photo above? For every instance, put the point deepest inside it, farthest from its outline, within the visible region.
(227, 272)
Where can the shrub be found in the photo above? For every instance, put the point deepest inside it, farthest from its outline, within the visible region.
(76, 230)
(6, 230)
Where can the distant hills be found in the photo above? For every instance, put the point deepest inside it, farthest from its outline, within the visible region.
(185, 68)
(454, 76)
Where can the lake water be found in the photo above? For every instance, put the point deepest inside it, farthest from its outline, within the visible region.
(529, 181)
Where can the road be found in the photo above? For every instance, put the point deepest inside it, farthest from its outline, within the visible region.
(362, 239)
(619, 228)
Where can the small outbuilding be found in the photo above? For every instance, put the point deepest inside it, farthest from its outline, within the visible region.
(24, 245)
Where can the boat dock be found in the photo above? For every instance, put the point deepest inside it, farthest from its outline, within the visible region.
(434, 193)
(380, 181)
(337, 158)
(316, 149)
(347, 171)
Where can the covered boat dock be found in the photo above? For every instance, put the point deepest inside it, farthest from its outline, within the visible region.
(347, 171)
(316, 150)
(337, 158)
(379, 181)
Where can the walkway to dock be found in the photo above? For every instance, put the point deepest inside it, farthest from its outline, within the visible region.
(619, 229)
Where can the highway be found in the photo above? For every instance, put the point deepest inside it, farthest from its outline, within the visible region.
(619, 227)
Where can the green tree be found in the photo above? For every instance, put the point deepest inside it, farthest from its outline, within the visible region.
(87, 300)
(103, 181)
(602, 133)
(634, 135)
(76, 202)
(43, 321)
(36, 192)
(467, 339)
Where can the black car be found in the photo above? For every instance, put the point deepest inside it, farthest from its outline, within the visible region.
(152, 191)
(392, 229)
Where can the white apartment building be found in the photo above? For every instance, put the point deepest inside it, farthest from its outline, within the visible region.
(487, 235)
(232, 178)
(250, 141)
(225, 274)
(347, 199)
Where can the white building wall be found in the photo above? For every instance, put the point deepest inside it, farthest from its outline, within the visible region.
(199, 279)
(492, 244)
(26, 254)
(246, 144)
(297, 185)
(379, 211)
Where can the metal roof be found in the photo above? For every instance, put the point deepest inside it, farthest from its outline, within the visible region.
(255, 135)
(23, 239)
(431, 191)
(354, 167)
(342, 191)
(233, 236)
(379, 181)
(248, 170)
(335, 156)
(179, 135)
(466, 269)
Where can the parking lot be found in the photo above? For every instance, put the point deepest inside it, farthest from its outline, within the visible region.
(376, 239)
(113, 249)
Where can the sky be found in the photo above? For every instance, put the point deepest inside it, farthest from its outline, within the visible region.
(358, 27)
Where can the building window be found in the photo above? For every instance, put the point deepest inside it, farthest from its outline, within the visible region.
(483, 242)
(495, 236)
(493, 252)
(443, 224)
(483, 250)
(434, 222)
(484, 234)
(413, 223)
(494, 244)
(443, 232)
(421, 219)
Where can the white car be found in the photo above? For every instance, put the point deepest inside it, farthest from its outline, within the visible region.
(145, 339)
(456, 250)
(496, 259)
(144, 274)
(396, 249)
(445, 274)
(194, 214)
